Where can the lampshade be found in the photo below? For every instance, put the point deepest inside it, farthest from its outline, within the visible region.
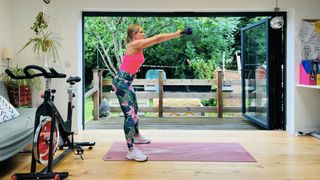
(7, 53)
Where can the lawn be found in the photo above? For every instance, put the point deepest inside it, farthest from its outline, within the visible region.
(88, 107)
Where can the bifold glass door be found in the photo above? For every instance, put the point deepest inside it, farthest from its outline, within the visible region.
(262, 75)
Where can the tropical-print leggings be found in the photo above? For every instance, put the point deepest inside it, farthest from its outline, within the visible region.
(122, 86)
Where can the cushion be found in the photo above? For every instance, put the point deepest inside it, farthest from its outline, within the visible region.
(7, 111)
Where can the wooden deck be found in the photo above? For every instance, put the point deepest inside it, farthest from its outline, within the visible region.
(192, 123)
(279, 155)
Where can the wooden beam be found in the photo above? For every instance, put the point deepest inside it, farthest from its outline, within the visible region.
(100, 85)
(177, 95)
(160, 93)
(219, 93)
(141, 109)
(167, 82)
(206, 95)
(96, 95)
(139, 95)
(206, 109)
(188, 82)
(90, 92)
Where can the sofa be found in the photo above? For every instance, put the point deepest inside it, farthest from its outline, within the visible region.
(17, 133)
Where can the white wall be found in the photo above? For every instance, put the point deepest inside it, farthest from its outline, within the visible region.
(66, 23)
(6, 28)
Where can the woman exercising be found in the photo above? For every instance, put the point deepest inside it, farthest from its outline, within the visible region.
(122, 85)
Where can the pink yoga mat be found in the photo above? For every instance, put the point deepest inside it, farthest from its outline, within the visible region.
(184, 151)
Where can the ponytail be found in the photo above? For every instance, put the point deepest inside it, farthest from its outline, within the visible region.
(128, 40)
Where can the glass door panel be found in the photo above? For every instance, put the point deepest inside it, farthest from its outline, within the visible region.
(254, 72)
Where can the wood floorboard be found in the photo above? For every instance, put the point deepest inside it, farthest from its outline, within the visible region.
(279, 155)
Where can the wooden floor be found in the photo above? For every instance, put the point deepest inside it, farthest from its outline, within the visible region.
(279, 155)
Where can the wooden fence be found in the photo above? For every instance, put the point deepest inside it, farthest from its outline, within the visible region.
(97, 94)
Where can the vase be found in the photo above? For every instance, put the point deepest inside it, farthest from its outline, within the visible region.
(45, 59)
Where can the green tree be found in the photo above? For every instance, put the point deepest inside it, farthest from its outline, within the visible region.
(212, 37)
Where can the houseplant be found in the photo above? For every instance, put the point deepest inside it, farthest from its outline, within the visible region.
(19, 90)
(42, 43)
(34, 82)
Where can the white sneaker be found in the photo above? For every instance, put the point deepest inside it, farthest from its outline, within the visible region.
(137, 155)
(141, 140)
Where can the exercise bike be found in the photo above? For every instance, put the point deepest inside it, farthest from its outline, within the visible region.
(50, 128)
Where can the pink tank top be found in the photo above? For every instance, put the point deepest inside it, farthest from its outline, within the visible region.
(131, 63)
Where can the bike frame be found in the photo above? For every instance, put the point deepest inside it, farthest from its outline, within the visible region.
(47, 108)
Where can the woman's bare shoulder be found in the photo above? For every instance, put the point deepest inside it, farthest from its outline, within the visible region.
(132, 49)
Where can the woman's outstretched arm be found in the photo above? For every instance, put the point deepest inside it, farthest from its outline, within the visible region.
(147, 42)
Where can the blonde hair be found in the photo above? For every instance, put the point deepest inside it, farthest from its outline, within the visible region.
(132, 29)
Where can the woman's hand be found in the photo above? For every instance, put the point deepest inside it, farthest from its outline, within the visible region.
(179, 33)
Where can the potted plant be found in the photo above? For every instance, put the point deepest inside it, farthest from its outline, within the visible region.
(42, 43)
(19, 90)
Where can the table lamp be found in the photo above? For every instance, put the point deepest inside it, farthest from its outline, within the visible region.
(7, 54)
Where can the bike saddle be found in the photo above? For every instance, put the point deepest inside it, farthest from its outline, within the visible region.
(72, 80)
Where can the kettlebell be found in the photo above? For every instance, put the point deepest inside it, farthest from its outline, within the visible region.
(187, 31)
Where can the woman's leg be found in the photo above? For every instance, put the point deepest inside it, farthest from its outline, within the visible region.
(136, 109)
(126, 101)
(138, 138)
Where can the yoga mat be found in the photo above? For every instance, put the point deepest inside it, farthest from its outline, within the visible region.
(184, 151)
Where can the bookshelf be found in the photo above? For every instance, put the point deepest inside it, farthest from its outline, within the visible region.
(308, 86)
(20, 96)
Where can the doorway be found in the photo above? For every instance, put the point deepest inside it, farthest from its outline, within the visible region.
(204, 14)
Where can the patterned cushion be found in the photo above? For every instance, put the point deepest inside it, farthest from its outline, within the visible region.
(7, 111)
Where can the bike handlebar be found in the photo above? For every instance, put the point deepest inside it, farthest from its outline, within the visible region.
(47, 74)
